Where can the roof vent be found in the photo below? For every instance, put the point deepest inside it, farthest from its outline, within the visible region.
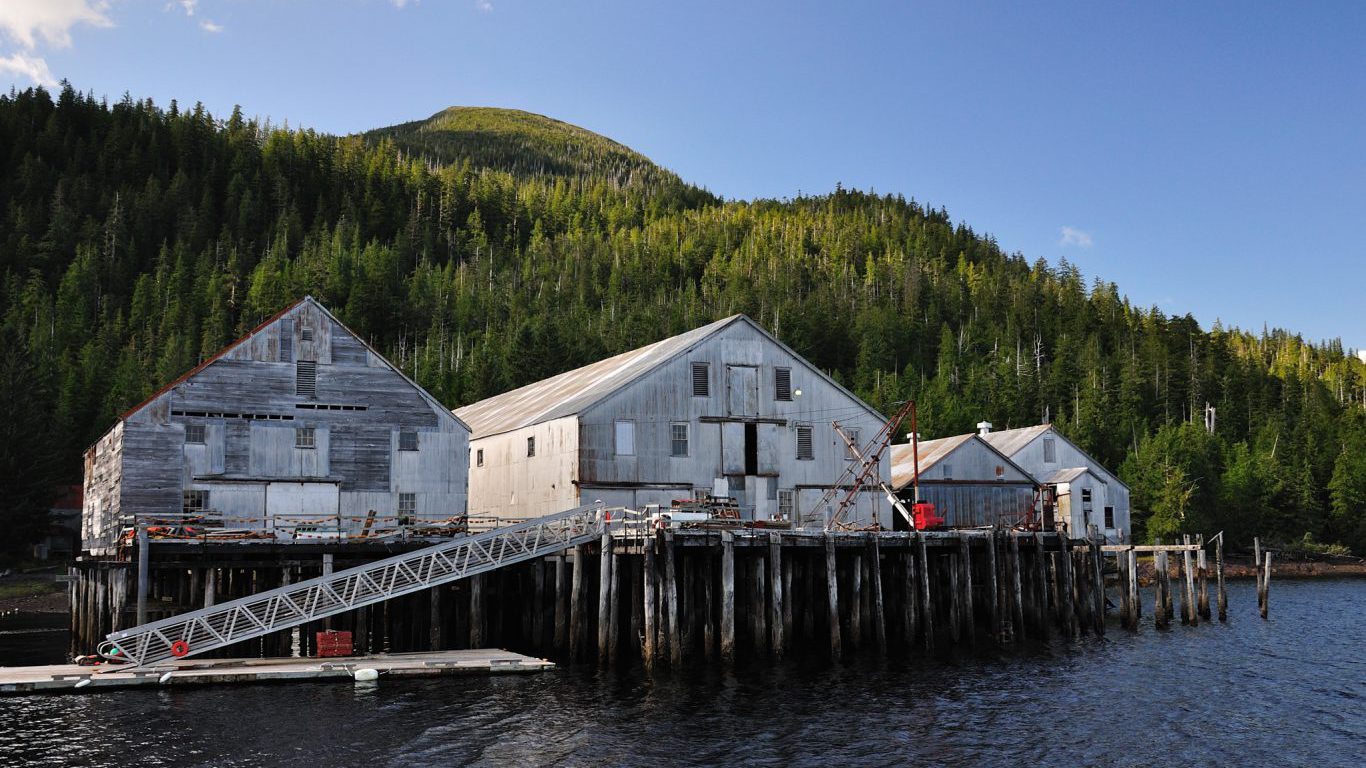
(983, 427)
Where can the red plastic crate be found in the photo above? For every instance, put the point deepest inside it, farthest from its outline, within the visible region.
(333, 643)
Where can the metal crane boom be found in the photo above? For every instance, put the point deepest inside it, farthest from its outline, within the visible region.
(231, 622)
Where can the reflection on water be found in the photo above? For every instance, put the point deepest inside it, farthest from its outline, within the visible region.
(1291, 691)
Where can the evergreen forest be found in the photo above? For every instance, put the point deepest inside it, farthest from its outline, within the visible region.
(483, 249)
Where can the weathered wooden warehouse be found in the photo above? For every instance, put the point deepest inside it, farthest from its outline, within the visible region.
(299, 431)
(970, 483)
(725, 409)
(1086, 492)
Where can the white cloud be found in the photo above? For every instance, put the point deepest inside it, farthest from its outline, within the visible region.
(402, 3)
(32, 67)
(483, 5)
(187, 5)
(208, 26)
(1074, 236)
(27, 20)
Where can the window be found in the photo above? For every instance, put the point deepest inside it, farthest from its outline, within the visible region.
(948, 471)
(407, 440)
(1050, 451)
(678, 439)
(624, 435)
(701, 379)
(1109, 517)
(530, 447)
(305, 333)
(194, 433)
(782, 384)
(1000, 472)
(306, 378)
(407, 507)
(805, 450)
(195, 502)
(785, 504)
(304, 438)
(479, 457)
(1085, 495)
(855, 437)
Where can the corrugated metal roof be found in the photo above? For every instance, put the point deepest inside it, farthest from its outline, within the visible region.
(1012, 441)
(931, 453)
(1066, 475)
(573, 391)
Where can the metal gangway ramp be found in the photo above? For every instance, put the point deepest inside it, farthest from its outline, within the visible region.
(260, 614)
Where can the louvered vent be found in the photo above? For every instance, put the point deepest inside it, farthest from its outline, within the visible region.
(701, 381)
(782, 379)
(804, 449)
(306, 378)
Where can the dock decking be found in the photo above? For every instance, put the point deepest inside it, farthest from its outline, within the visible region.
(64, 678)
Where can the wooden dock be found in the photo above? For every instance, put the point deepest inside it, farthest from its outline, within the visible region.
(69, 678)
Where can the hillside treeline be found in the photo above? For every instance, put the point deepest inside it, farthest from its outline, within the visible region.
(137, 240)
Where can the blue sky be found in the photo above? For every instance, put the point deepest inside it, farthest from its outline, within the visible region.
(1207, 159)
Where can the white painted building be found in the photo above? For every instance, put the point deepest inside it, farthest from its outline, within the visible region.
(1086, 492)
(969, 482)
(299, 425)
(725, 409)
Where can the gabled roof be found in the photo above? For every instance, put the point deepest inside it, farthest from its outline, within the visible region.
(573, 392)
(436, 404)
(932, 452)
(1066, 475)
(1012, 441)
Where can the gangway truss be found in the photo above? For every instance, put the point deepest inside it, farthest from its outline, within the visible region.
(234, 621)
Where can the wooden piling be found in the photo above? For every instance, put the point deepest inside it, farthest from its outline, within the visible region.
(1266, 583)
(477, 609)
(926, 605)
(832, 592)
(788, 598)
(1016, 593)
(578, 605)
(856, 601)
(671, 601)
(777, 619)
(561, 603)
(1041, 587)
(908, 593)
(965, 584)
(1164, 590)
(879, 614)
(1202, 573)
(650, 594)
(1069, 607)
(604, 596)
(613, 609)
(1098, 581)
(1131, 587)
(758, 602)
(1219, 577)
(1193, 617)
(143, 577)
(994, 588)
(727, 596)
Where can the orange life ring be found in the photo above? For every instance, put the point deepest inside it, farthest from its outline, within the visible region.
(179, 648)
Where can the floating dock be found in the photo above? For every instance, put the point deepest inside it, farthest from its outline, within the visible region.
(70, 678)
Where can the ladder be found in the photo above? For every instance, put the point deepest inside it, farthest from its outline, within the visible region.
(260, 614)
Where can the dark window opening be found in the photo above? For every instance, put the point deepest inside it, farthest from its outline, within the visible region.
(751, 449)
(195, 502)
(305, 333)
(479, 457)
(530, 447)
(1109, 517)
(194, 433)
(407, 440)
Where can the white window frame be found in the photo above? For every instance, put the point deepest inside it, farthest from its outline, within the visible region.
(305, 438)
(201, 498)
(674, 439)
(407, 434)
(196, 434)
(407, 499)
(787, 503)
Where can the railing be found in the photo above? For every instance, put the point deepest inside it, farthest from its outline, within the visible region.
(270, 611)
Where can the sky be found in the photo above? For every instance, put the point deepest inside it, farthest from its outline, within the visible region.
(1208, 159)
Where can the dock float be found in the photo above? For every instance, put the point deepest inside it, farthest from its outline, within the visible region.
(70, 678)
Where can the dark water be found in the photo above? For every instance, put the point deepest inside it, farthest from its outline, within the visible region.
(1291, 691)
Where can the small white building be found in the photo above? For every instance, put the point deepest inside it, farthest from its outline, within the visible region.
(970, 483)
(725, 409)
(1085, 492)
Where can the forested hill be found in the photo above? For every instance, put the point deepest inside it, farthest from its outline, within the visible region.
(137, 240)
